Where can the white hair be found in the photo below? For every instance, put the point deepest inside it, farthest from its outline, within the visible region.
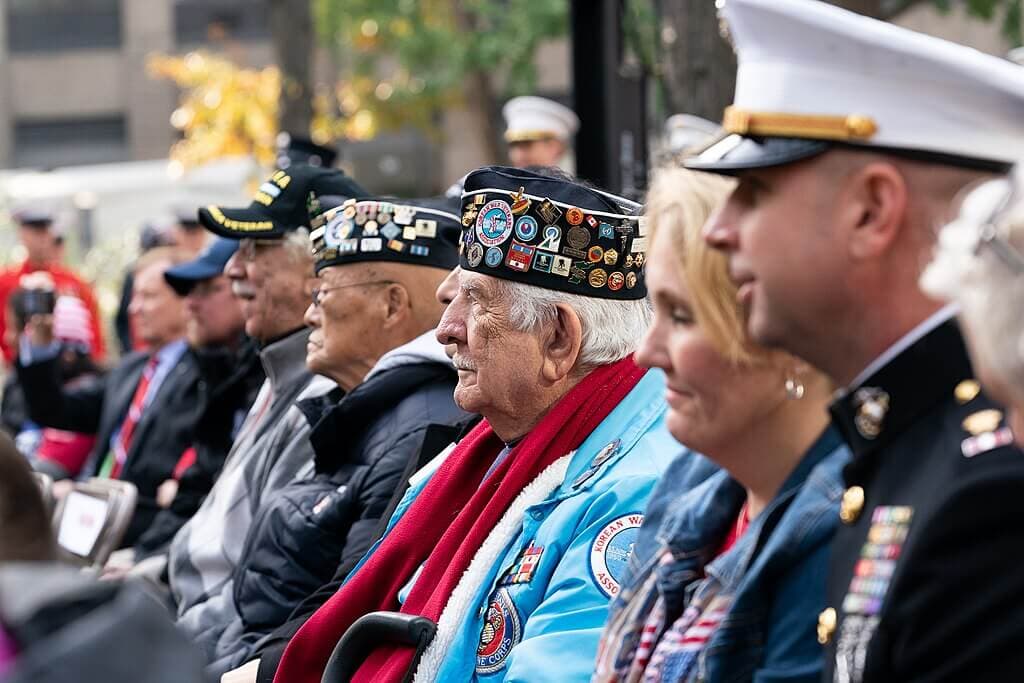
(987, 286)
(296, 244)
(612, 328)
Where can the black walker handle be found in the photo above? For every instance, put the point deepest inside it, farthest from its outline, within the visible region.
(371, 631)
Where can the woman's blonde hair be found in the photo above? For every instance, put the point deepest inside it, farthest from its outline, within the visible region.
(679, 203)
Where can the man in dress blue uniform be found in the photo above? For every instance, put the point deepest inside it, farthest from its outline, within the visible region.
(850, 139)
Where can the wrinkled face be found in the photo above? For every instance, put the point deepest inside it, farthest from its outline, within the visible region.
(159, 313)
(351, 307)
(536, 153)
(784, 255)
(38, 243)
(711, 399)
(495, 363)
(215, 316)
(272, 286)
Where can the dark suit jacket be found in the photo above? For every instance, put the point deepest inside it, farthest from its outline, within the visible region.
(162, 435)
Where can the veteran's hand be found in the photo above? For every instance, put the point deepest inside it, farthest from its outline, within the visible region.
(243, 674)
(39, 329)
(166, 492)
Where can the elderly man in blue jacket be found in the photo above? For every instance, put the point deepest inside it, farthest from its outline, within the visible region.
(513, 543)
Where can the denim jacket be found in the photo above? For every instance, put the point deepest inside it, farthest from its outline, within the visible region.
(775, 573)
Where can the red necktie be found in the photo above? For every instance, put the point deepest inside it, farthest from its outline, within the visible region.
(131, 420)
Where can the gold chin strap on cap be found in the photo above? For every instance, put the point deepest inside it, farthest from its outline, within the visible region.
(810, 126)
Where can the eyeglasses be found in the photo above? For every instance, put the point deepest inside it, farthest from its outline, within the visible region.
(989, 235)
(323, 290)
(247, 247)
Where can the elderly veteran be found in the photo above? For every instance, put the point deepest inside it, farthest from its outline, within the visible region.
(272, 275)
(732, 579)
(373, 319)
(979, 266)
(514, 543)
(844, 171)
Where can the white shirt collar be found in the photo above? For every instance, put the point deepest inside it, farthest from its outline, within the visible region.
(905, 342)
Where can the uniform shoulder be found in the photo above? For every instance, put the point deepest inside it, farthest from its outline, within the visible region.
(975, 432)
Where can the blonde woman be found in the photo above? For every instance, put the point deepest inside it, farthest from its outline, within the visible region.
(729, 585)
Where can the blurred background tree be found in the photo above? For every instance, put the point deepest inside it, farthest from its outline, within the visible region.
(408, 59)
(694, 70)
(229, 111)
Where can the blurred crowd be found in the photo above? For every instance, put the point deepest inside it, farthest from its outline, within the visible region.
(763, 427)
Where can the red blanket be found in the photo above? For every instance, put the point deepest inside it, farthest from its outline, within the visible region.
(444, 527)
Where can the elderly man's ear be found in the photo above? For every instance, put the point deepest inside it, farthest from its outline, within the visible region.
(399, 305)
(562, 344)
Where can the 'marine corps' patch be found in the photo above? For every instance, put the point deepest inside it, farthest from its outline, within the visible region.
(502, 631)
(610, 552)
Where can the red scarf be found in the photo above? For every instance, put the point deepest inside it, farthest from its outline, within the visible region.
(446, 525)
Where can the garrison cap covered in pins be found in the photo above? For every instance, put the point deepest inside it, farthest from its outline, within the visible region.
(423, 232)
(552, 233)
(279, 205)
(812, 76)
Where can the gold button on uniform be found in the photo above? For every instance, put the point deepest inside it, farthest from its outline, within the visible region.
(853, 503)
(982, 421)
(967, 391)
(826, 625)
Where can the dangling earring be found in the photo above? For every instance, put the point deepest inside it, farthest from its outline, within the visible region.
(794, 389)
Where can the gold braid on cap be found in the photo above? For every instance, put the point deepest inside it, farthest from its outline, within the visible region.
(810, 126)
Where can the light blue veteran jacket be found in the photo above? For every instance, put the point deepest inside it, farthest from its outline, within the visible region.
(538, 615)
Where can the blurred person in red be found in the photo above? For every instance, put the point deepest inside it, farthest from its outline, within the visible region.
(56, 452)
(38, 238)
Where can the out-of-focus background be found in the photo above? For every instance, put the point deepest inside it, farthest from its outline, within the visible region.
(114, 112)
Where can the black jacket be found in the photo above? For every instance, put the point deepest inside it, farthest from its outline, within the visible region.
(926, 566)
(271, 648)
(228, 386)
(161, 437)
(367, 446)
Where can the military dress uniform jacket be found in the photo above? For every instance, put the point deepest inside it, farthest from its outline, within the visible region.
(539, 612)
(926, 581)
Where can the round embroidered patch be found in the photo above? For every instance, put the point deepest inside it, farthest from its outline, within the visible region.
(526, 228)
(336, 231)
(610, 551)
(494, 223)
(502, 631)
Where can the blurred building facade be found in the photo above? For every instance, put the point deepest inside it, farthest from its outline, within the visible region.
(74, 87)
(73, 81)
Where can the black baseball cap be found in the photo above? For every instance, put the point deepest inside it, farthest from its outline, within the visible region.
(209, 264)
(279, 205)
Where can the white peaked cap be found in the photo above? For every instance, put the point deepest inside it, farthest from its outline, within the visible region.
(812, 71)
(536, 118)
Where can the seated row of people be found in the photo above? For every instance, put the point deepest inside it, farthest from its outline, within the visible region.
(648, 486)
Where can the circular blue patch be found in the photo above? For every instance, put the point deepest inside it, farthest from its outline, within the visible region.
(526, 228)
(610, 551)
(493, 257)
(502, 631)
(494, 223)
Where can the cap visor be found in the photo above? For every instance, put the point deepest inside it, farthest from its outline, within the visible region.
(735, 153)
(238, 223)
(184, 277)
